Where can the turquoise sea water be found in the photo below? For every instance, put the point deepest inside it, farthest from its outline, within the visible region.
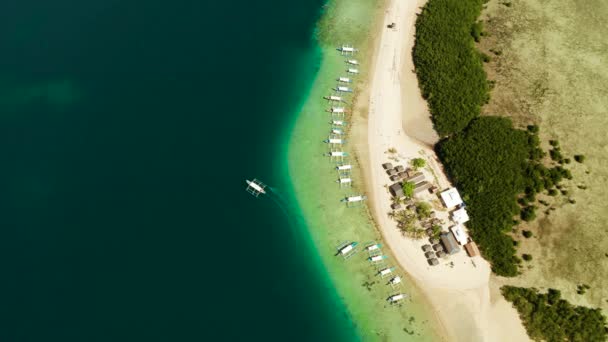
(127, 129)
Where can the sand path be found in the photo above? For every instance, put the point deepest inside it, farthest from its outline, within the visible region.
(459, 288)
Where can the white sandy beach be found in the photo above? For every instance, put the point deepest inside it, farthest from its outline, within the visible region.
(398, 118)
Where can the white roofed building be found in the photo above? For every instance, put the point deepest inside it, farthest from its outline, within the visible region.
(451, 198)
(459, 233)
(460, 216)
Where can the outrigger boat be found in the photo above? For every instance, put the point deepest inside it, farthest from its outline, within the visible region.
(334, 141)
(354, 199)
(396, 298)
(352, 71)
(352, 61)
(377, 258)
(345, 181)
(333, 98)
(255, 187)
(344, 79)
(373, 247)
(344, 89)
(347, 49)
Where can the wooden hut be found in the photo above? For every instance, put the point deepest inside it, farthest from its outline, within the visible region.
(387, 166)
(395, 178)
(438, 247)
(429, 255)
(399, 168)
(434, 241)
(416, 177)
(396, 190)
(422, 186)
(433, 262)
(391, 172)
(403, 174)
(471, 249)
(427, 248)
(395, 206)
(441, 254)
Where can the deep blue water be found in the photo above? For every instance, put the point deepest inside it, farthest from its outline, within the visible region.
(127, 129)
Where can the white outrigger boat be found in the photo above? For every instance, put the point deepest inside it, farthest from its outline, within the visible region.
(346, 49)
(333, 98)
(338, 123)
(344, 79)
(344, 167)
(344, 89)
(345, 181)
(334, 141)
(396, 298)
(255, 187)
(377, 258)
(337, 110)
(385, 272)
(354, 199)
(352, 71)
(337, 154)
(396, 280)
(373, 247)
(336, 131)
(352, 61)
(347, 249)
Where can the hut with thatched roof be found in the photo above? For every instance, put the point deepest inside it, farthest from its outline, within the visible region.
(429, 255)
(391, 172)
(416, 177)
(399, 168)
(441, 254)
(395, 178)
(427, 248)
(438, 247)
(422, 186)
(396, 190)
(434, 241)
(403, 174)
(387, 166)
(433, 262)
(429, 232)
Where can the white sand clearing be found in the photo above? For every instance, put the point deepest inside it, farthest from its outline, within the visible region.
(398, 118)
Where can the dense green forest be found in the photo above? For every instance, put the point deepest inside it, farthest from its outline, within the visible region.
(487, 162)
(498, 168)
(547, 317)
(449, 68)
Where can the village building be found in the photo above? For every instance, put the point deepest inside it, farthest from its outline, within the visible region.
(471, 249)
(396, 190)
(459, 233)
(460, 216)
(449, 243)
(451, 198)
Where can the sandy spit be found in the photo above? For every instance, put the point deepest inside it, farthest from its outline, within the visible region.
(396, 116)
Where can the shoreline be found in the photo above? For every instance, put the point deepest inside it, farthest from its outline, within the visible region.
(398, 117)
(328, 221)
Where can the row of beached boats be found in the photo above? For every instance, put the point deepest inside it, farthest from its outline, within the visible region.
(336, 141)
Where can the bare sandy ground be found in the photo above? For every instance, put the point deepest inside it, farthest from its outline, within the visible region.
(397, 117)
